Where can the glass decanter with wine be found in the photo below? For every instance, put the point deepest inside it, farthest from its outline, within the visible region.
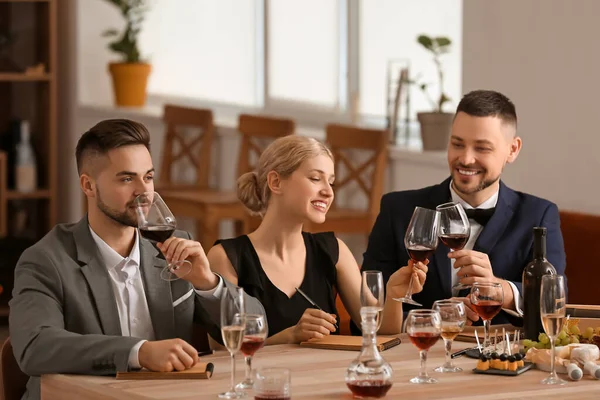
(369, 375)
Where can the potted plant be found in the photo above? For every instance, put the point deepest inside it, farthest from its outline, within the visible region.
(130, 76)
(436, 124)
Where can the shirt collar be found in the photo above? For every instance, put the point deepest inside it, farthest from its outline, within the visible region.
(489, 203)
(110, 257)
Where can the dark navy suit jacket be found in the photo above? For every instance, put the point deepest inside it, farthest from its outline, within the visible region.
(507, 239)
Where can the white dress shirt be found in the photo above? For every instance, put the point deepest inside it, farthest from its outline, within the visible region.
(128, 288)
(476, 229)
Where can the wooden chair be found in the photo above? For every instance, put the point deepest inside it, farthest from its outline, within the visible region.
(581, 233)
(352, 175)
(208, 206)
(14, 381)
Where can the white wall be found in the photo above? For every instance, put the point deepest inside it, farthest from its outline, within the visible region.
(544, 55)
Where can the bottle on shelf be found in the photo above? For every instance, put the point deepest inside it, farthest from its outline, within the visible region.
(532, 284)
(25, 163)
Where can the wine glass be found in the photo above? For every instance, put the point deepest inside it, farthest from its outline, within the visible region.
(553, 310)
(455, 230)
(372, 294)
(487, 299)
(233, 324)
(156, 223)
(421, 240)
(424, 328)
(454, 318)
(255, 335)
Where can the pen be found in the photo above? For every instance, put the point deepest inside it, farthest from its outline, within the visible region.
(462, 352)
(205, 353)
(313, 304)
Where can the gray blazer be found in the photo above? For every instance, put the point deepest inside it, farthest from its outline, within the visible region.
(63, 313)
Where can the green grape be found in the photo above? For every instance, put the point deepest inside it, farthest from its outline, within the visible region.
(565, 341)
(588, 333)
(538, 345)
(574, 339)
(543, 338)
(575, 330)
(528, 343)
(556, 342)
(562, 335)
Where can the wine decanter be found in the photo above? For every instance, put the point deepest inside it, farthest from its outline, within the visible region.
(369, 375)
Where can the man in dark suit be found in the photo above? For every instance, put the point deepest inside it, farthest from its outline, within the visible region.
(88, 298)
(483, 141)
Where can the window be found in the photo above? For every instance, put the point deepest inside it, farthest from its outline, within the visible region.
(388, 31)
(303, 51)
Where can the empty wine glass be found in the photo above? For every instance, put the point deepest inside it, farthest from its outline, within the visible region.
(233, 324)
(255, 335)
(372, 294)
(487, 299)
(553, 311)
(454, 318)
(455, 230)
(424, 328)
(421, 240)
(157, 223)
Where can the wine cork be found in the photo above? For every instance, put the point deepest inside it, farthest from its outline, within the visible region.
(574, 372)
(592, 368)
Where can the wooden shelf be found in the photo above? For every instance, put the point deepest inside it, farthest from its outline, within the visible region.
(20, 77)
(38, 194)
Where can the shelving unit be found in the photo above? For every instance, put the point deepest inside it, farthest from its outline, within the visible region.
(29, 96)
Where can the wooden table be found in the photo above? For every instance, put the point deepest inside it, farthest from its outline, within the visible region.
(319, 374)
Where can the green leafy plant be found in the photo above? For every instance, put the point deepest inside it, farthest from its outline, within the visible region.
(126, 43)
(438, 46)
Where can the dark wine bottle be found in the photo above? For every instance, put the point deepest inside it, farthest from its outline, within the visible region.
(532, 284)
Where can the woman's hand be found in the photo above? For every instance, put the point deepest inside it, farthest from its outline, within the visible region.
(397, 285)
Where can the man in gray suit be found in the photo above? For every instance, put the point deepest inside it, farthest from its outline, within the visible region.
(88, 297)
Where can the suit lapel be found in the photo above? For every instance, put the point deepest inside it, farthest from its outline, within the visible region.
(440, 261)
(496, 226)
(97, 278)
(158, 291)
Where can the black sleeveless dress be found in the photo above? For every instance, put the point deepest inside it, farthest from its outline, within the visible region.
(322, 254)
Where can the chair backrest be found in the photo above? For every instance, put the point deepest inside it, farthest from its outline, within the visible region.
(14, 381)
(581, 233)
(257, 133)
(368, 174)
(183, 144)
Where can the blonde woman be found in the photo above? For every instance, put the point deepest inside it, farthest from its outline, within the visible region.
(294, 183)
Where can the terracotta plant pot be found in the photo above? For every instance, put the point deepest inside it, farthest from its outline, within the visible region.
(435, 130)
(129, 83)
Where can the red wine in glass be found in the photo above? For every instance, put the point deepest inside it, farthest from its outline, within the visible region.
(157, 233)
(251, 345)
(455, 241)
(369, 388)
(424, 340)
(487, 309)
(420, 253)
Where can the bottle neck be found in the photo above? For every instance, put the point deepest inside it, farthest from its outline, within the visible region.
(369, 338)
(539, 247)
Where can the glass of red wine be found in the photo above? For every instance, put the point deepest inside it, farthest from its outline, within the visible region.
(424, 328)
(455, 230)
(487, 299)
(421, 240)
(255, 335)
(156, 223)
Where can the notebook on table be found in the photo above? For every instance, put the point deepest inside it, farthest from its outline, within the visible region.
(343, 342)
(198, 371)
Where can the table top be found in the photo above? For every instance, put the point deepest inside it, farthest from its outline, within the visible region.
(319, 374)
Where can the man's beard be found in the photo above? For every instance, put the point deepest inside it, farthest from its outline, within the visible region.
(484, 184)
(121, 217)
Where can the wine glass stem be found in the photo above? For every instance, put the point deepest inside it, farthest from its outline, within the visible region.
(423, 357)
(448, 346)
(486, 334)
(232, 372)
(408, 294)
(552, 355)
(248, 360)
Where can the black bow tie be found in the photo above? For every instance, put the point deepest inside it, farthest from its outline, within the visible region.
(480, 215)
